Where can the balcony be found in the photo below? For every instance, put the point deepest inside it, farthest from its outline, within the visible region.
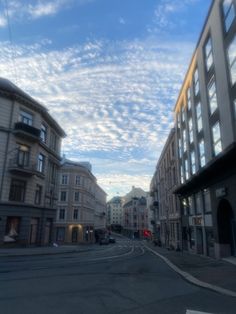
(26, 131)
(27, 170)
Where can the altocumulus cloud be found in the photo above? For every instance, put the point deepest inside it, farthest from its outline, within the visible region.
(112, 98)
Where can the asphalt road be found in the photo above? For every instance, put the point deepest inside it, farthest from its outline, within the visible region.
(118, 278)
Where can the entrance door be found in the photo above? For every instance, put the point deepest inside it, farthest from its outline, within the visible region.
(74, 235)
(226, 226)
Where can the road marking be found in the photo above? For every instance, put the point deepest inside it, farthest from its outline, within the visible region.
(196, 312)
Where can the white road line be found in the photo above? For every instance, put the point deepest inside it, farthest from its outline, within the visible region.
(196, 312)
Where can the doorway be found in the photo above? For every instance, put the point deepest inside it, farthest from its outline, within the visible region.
(226, 225)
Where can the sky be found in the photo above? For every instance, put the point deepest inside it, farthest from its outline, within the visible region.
(109, 72)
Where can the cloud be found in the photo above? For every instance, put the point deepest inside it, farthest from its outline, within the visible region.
(19, 11)
(114, 99)
(122, 21)
(166, 13)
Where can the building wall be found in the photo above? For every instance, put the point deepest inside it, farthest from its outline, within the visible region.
(81, 205)
(25, 220)
(206, 181)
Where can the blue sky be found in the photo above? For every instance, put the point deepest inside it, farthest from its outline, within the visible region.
(109, 71)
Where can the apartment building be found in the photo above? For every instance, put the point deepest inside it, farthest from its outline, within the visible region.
(115, 213)
(166, 201)
(205, 119)
(154, 206)
(135, 217)
(81, 204)
(30, 141)
(100, 208)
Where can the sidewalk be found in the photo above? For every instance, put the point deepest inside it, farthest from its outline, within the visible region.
(48, 250)
(212, 272)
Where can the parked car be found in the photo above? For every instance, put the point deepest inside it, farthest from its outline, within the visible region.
(104, 240)
(112, 240)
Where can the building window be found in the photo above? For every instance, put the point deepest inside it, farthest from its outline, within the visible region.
(43, 133)
(178, 121)
(232, 60)
(38, 194)
(196, 82)
(190, 129)
(76, 196)
(17, 190)
(26, 117)
(208, 54)
(41, 163)
(23, 156)
(77, 180)
(183, 113)
(181, 174)
(212, 95)
(193, 162)
(202, 153)
(52, 172)
(207, 200)
(75, 214)
(189, 98)
(63, 196)
(180, 148)
(217, 146)
(184, 140)
(62, 214)
(60, 234)
(199, 116)
(186, 169)
(191, 205)
(53, 141)
(199, 203)
(229, 13)
(64, 179)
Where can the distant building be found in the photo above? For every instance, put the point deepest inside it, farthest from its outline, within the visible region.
(165, 202)
(135, 217)
(30, 142)
(81, 204)
(135, 192)
(115, 213)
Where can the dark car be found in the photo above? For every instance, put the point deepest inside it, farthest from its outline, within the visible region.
(104, 240)
(112, 240)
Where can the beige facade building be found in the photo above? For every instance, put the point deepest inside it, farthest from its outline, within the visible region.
(164, 200)
(30, 141)
(81, 204)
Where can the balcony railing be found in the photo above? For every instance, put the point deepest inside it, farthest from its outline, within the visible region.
(26, 131)
(27, 169)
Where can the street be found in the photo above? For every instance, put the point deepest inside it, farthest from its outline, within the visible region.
(115, 278)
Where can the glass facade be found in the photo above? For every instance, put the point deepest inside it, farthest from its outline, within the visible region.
(212, 96)
(216, 136)
(202, 153)
(190, 129)
(199, 116)
(196, 82)
(208, 54)
(232, 60)
(229, 13)
(193, 162)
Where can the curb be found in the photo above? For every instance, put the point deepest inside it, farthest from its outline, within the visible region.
(42, 253)
(191, 278)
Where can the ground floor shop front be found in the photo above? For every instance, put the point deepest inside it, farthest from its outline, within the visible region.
(74, 233)
(26, 225)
